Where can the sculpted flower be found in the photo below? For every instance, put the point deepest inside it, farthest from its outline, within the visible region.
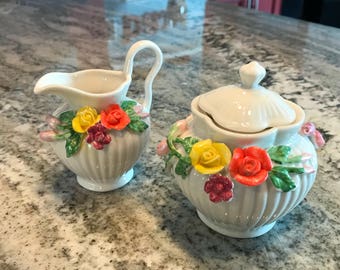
(54, 134)
(139, 111)
(250, 166)
(219, 187)
(316, 137)
(84, 119)
(114, 117)
(48, 135)
(97, 136)
(308, 129)
(53, 122)
(162, 148)
(208, 157)
(182, 125)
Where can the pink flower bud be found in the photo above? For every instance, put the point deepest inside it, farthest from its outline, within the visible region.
(306, 156)
(308, 168)
(138, 108)
(52, 121)
(162, 148)
(318, 139)
(139, 111)
(182, 125)
(308, 129)
(48, 136)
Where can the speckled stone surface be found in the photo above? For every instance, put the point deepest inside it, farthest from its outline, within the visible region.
(47, 221)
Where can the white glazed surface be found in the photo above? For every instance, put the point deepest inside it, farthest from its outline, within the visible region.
(111, 167)
(246, 110)
(204, 127)
(242, 117)
(253, 210)
(99, 88)
(249, 108)
(107, 169)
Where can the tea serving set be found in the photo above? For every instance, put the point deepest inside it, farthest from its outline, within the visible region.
(243, 157)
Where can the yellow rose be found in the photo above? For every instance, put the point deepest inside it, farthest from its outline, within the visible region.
(85, 118)
(208, 157)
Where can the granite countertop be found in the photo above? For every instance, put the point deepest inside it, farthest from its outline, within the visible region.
(48, 221)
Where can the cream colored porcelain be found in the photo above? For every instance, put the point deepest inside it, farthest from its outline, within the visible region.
(253, 211)
(97, 87)
(241, 118)
(107, 169)
(203, 126)
(248, 109)
(112, 166)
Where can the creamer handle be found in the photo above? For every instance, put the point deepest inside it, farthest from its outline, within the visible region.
(128, 66)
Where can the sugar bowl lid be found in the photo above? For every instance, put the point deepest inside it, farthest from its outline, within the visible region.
(250, 108)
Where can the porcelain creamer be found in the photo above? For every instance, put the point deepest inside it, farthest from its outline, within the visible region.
(100, 133)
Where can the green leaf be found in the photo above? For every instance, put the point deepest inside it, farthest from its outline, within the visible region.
(294, 159)
(138, 126)
(66, 117)
(131, 113)
(63, 136)
(136, 123)
(187, 143)
(73, 143)
(126, 104)
(296, 170)
(182, 167)
(279, 153)
(281, 179)
(65, 128)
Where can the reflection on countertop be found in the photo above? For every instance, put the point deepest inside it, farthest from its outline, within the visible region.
(49, 222)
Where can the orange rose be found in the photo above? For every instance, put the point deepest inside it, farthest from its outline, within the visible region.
(250, 166)
(114, 117)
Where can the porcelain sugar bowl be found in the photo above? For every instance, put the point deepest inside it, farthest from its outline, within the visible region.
(102, 133)
(244, 157)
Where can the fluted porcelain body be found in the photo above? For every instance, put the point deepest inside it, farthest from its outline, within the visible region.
(107, 169)
(253, 210)
(96, 98)
(243, 157)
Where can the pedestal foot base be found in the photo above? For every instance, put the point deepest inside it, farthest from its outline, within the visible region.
(104, 185)
(234, 231)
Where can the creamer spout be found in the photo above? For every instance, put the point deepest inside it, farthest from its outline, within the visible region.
(52, 83)
(94, 87)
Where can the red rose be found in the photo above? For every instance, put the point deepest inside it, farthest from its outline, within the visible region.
(219, 187)
(97, 136)
(114, 117)
(250, 166)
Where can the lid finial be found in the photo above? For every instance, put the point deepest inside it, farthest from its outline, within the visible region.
(251, 75)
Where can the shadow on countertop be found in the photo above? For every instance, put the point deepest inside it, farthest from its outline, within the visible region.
(151, 212)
